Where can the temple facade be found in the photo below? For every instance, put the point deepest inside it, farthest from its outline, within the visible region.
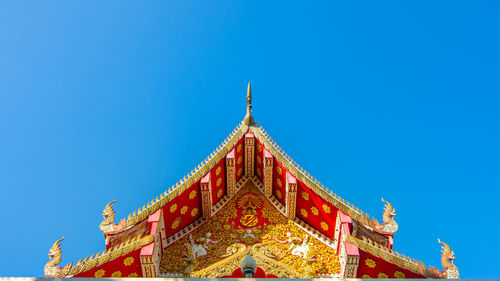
(249, 210)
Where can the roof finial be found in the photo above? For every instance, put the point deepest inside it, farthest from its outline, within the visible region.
(249, 118)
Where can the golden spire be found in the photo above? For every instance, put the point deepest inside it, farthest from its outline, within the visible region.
(249, 118)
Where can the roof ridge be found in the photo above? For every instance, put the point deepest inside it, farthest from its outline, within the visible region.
(305, 177)
(392, 256)
(190, 178)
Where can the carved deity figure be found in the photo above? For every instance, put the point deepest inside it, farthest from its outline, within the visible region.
(108, 226)
(298, 247)
(198, 248)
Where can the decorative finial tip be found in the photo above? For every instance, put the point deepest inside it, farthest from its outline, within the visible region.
(248, 117)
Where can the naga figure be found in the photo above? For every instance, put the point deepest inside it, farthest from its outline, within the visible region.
(107, 226)
(450, 270)
(389, 227)
(196, 250)
(52, 269)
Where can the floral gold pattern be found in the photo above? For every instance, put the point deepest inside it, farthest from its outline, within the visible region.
(259, 173)
(219, 193)
(324, 226)
(314, 210)
(366, 276)
(370, 263)
(194, 212)
(218, 170)
(219, 181)
(278, 182)
(184, 210)
(304, 213)
(305, 195)
(128, 261)
(382, 275)
(116, 274)
(240, 159)
(240, 172)
(173, 207)
(400, 275)
(239, 148)
(133, 274)
(176, 223)
(192, 194)
(259, 148)
(278, 170)
(278, 194)
(99, 273)
(259, 160)
(326, 208)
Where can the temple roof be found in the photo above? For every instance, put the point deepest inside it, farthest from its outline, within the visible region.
(314, 209)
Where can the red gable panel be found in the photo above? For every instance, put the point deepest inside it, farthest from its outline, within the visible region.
(371, 266)
(239, 159)
(279, 184)
(126, 266)
(259, 160)
(183, 209)
(315, 210)
(218, 178)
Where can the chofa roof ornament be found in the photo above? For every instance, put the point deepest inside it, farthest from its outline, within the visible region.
(450, 270)
(52, 269)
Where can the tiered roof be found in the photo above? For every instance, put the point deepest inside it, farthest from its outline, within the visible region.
(362, 245)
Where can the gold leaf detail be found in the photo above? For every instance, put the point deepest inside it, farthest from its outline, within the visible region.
(218, 170)
(192, 194)
(304, 213)
(259, 160)
(382, 275)
(278, 182)
(128, 261)
(99, 273)
(116, 274)
(314, 210)
(326, 208)
(305, 195)
(278, 170)
(240, 172)
(278, 194)
(176, 223)
(194, 212)
(219, 181)
(239, 147)
(370, 263)
(240, 159)
(184, 210)
(400, 275)
(324, 225)
(173, 207)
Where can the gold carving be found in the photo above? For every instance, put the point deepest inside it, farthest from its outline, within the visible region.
(447, 258)
(192, 194)
(370, 263)
(173, 207)
(176, 223)
(99, 273)
(128, 261)
(52, 269)
(107, 226)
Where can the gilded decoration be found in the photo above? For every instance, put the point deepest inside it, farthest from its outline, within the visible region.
(382, 275)
(99, 273)
(370, 263)
(128, 261)
(400, 275)
(192, 194)
(184, 210)
(133, 274)
(116, 274)
(314, 211)
(249, 224)
(194, 212)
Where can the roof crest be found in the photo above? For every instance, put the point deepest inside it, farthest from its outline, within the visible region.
(401, 260)
(190, 178)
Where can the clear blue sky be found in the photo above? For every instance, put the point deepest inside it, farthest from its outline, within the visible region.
(120, 99)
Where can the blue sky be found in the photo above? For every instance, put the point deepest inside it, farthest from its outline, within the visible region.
(120, 99)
